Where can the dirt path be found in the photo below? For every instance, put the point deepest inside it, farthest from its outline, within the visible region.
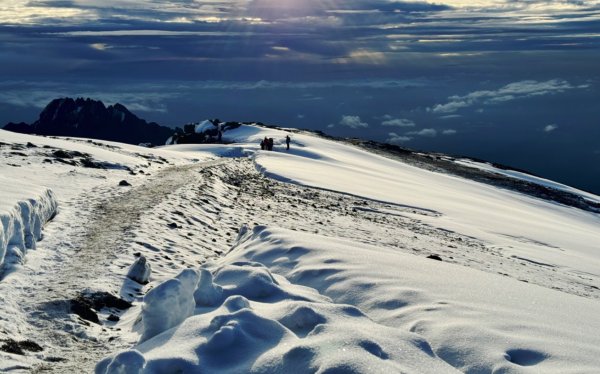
(72, 345)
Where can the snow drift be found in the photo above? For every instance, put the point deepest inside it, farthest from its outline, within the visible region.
(24, 209)
(306, 303)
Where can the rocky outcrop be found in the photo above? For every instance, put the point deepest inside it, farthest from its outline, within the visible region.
(89, 118)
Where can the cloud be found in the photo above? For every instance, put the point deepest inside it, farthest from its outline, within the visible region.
(394, 138)
(397, 122)
(510, 92)
(425, 132)
(449, 132)
(550, 128)
(136, 99)
(353, 122)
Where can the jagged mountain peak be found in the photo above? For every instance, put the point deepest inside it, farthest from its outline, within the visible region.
(85, 117)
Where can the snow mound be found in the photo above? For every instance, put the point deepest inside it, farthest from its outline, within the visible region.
(204, 126)
(249, 320)
(140, 270)
(168, 304)
(475, 321)
(24, 209)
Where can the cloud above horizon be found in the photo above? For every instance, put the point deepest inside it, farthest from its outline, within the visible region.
(397, 122)
(353, 122)
(510, 92)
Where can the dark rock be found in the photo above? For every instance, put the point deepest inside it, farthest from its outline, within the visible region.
(86, 304)
(172, 225)
(54, 359)
(114, 318)
(61, 153)
(101, 300)
(31, 145)
(84, 310)
(21, 127)
(19, 348)
(92, 119)
(435, 257)
(67, 162)
(88, 162)
(124, 183)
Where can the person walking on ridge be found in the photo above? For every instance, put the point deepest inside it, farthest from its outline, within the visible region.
(287, 141)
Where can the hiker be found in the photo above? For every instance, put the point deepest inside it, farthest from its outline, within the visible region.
(270, 143)
(287, 142)
(262, 145)
(266, 143)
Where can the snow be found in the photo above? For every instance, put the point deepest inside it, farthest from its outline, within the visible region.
(24, 209)
(264, 323)
(308, 302)
(523, 225)
(140, 270)
(203, 126)
(169, 304)
(528, 177)
(328, 272)
(473, 319)
(36, 185)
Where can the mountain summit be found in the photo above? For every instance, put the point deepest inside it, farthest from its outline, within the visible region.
(92, 119)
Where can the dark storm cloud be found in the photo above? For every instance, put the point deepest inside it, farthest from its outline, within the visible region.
(360, 33)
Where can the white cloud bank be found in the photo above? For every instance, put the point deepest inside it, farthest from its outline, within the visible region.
(397, 122)
(425, 132)
(397, 139)
(510, 92)
(353, 122)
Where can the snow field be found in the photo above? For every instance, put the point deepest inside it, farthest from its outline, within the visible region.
(286, 301)
(250, 320)
(80, 176)
(563, 238)
(345, 287)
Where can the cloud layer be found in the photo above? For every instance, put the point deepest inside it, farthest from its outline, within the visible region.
(510, 92)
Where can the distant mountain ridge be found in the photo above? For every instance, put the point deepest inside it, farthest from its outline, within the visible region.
(89, 118)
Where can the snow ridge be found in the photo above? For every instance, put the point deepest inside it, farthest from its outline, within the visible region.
(23, 212)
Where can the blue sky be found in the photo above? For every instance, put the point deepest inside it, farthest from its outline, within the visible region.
(510, 81)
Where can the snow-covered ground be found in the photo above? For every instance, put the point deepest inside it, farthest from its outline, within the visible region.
(528, 177)
(307, 260)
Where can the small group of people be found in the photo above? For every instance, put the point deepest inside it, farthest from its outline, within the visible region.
(267, 143)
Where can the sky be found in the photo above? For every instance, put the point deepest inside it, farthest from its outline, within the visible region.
(515, 82)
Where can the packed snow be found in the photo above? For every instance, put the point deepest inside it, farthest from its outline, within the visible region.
(308, 260)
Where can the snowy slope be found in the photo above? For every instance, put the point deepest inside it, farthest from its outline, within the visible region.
(533, 229)
(41, 177)
(285, 301)
(329, 275)
(32, 177)
(527, 177)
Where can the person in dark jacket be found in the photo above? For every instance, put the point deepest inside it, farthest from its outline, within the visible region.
(287, 142)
